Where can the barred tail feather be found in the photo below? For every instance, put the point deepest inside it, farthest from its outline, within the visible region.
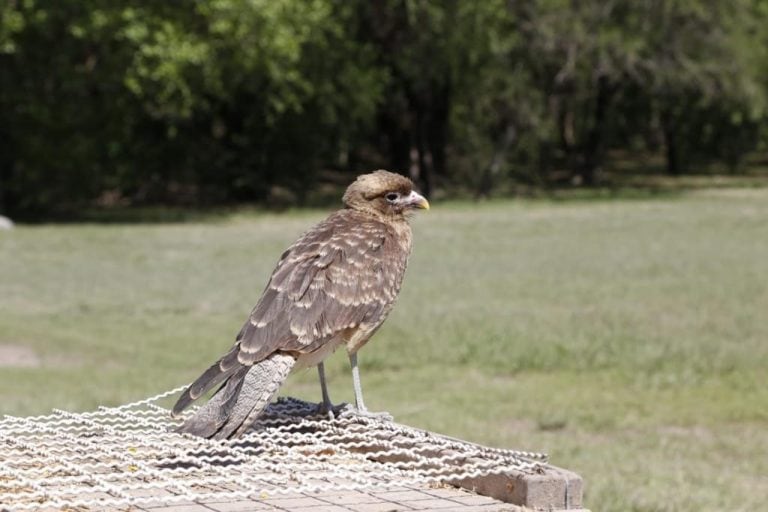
(219, 372)
(240, 401)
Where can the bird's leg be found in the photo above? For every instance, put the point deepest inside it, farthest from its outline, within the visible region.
(361, 410)
(326, 407)
(356, 383)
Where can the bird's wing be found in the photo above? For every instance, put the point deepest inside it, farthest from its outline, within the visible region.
(343, 273)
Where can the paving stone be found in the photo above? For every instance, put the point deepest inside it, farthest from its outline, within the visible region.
(322, 508)
(238, 506)
(182, 508)
(343, 498)
(292, 503)
(285, 495)
(162, 506)
(408, 495)
(391, 488)
(497, 507)
(378, 507)
(431, 504)
(446, 492)
(401, 499)
(474, 499)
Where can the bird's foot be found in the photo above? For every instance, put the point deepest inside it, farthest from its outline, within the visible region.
(350, 411)
(331, 411)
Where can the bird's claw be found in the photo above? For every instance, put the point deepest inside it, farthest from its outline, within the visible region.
(325, 410)
(331, 411)
(350, 411)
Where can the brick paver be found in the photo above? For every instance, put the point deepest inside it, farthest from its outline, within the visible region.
(445, 499)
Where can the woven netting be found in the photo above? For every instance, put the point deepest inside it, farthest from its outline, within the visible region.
(127, 455)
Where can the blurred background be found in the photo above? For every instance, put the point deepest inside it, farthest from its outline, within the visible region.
(592, 280)
(228, 101)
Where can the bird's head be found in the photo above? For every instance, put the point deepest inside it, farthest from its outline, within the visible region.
(384, 193)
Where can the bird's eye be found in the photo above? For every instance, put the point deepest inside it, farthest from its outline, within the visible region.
(392, 197)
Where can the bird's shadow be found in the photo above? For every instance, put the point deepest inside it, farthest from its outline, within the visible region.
(287, 427)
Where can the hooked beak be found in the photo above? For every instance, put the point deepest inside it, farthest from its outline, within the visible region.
(416, 200)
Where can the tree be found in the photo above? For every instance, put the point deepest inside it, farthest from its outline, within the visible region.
(233, 100)
(205, 102)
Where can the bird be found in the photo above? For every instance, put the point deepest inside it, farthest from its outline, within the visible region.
(334, 286)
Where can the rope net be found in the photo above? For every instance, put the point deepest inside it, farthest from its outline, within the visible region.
(126, 456)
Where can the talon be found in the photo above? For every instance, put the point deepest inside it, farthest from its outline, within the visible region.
(332, 411)
(351, 411)
(325, 410)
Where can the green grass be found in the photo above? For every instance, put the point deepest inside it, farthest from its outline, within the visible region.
(628, 339)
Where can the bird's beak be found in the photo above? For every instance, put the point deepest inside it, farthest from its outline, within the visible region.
(416, 200)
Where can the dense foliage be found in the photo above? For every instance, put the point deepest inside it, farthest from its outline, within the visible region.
(259, 100)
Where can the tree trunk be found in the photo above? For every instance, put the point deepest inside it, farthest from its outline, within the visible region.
(437, 132)
(593, 148)
(488, 177)
(671, 146)
(421, 168)
(6, 173)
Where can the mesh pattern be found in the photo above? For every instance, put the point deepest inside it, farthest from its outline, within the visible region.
(123, 456)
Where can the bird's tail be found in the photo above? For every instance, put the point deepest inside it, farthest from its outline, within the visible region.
(246, 392)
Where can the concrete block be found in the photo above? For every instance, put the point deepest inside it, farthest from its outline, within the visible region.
(554, 489)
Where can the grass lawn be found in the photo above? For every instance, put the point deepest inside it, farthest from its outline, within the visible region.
(628, 339)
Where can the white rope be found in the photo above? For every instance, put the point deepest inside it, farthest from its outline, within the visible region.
(128, 456)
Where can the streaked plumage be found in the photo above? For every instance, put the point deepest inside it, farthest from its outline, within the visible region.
(334, 286)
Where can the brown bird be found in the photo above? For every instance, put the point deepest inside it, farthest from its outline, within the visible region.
(334, 286)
